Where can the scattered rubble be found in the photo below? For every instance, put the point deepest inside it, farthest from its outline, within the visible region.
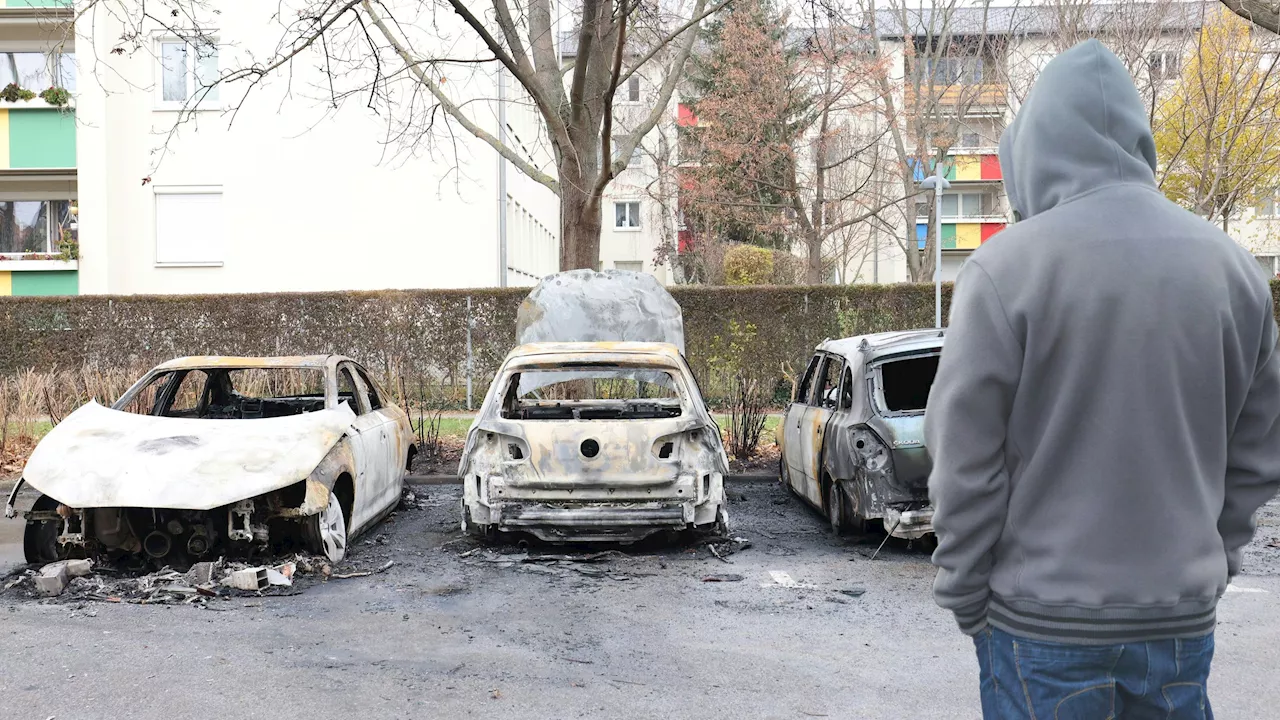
(80, 580)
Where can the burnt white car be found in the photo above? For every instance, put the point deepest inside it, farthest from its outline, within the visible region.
(853, 438)
(211, 455)
(593, 441)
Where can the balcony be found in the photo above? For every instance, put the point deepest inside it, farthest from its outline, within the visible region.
(979, 99)
(967, 233)
(36, 138)
(964, 168)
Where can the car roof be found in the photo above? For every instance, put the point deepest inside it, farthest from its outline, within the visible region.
(886, 343)
(318, 362)
(610, 348)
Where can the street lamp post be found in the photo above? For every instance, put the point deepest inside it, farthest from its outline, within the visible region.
(937, 183)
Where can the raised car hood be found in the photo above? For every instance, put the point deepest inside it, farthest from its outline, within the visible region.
(99, 457)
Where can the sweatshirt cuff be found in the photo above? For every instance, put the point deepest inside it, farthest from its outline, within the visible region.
(972, 618)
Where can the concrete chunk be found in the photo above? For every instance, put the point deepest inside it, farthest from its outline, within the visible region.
(248, 579)
(201, 573)
(52, 579)
(78, 568)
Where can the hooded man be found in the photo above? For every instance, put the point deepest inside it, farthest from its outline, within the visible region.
(1104, 419)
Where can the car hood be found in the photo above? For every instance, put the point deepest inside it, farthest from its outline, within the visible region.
(99, 457)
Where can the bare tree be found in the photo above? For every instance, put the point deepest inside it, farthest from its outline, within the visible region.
(398, 57)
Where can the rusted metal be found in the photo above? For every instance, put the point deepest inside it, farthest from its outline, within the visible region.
(845, 437)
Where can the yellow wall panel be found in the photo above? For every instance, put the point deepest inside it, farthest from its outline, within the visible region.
(6, 284)
(968, 236)
(968, 167)
(4, 143)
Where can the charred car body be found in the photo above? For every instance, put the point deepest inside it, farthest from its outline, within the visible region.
(210, 455)
(594, 439)
(853, 439)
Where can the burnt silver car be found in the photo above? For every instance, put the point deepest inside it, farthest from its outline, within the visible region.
(853, 438)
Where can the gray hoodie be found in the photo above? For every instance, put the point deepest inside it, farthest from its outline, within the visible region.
(1104, 419)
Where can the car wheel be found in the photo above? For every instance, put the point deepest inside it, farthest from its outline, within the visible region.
(837, 509)
(784, 476)
(327, 532)
(843, 520)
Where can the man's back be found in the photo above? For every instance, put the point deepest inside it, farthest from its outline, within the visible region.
(1104, 419)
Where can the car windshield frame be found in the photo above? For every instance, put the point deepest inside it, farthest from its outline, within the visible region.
(678, 375)
(122, 404)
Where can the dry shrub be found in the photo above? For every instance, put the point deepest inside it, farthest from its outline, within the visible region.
(747, 415)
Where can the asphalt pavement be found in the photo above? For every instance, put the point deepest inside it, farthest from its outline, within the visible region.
(796, 625)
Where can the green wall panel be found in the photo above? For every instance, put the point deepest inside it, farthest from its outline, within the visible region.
(42, 139)
(57, 282)
(37, 3)
(948, 239)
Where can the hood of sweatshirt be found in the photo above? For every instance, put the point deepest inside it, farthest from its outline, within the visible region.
(1083, 126)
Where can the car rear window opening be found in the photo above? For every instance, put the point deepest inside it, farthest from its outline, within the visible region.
(906, 383)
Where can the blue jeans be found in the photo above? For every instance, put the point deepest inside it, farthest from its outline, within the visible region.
(1033, 680)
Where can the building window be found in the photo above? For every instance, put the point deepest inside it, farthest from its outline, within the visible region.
(631, 93)
(629, 265)
(1266, 207)
(188, 71)
(1164, 65)
(955, 70)
(967, 205)
(1269, 264)
(189, 226)
(626, 215)
(33, 226)
(37, 71)
(970, 140)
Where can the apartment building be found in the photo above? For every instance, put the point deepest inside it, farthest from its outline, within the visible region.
(38, 188)
(111, 188)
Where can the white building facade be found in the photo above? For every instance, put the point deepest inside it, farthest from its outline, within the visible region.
(281, 192)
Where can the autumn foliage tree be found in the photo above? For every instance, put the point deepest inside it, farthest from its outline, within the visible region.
(779, 148)
(1218, 132)
(745, 95)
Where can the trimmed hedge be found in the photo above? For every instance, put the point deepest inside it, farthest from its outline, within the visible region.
(767, 332)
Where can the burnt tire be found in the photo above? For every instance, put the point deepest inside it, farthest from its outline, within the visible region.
(784, 477)
(837, 509)
(842, 518)
(40, 540)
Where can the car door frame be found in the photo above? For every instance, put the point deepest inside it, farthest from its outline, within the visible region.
(385, 493)
(792, 418)
(817, 417)
(364, 438)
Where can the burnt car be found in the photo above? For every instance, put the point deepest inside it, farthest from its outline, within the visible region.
(852, 440)
(207, 456)
(594, 428)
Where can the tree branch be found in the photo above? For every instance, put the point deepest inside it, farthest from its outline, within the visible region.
(1259, 12)
(697, 18)
(674, 73)
(606, 128)
(452, 108)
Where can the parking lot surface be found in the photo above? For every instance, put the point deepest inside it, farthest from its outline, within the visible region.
(791, 623)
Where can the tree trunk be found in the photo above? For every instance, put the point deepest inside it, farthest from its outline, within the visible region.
(813, 265)
(579, 225)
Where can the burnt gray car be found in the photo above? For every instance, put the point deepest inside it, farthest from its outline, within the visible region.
(853, 438)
